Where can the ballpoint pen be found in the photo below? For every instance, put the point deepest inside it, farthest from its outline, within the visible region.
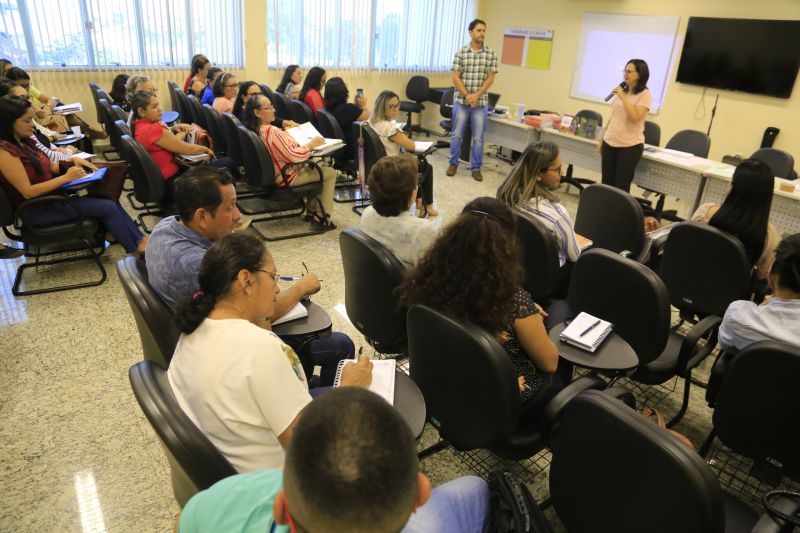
(590, 328)
(291, 278)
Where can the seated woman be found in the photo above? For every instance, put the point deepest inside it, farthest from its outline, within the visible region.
(283, 149)
(225, 89)
(387, 106)
(393, 188)
(118, 92)
(197, 81)
(208, 93)
(530, 187)
(26, 173)
(745, 213)
(777, 320)
(345, 113)
(138, 84)
(163, 144)
(290, 82)
(472, 273)
(310, 94)
(247, 402)
(251, 88)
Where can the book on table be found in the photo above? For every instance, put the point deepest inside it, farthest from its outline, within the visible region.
(586, 332)
(305, 132)
(383, 377)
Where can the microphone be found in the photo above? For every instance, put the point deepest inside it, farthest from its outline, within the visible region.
(611, 94)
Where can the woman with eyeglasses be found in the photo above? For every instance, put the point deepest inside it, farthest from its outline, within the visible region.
(623, 140)
(387, 107)
(259, 115)
(248, 401)
(225, 90)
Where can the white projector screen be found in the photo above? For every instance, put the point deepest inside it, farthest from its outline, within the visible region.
(608, 41)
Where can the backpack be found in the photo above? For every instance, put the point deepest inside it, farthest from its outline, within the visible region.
(513, 509)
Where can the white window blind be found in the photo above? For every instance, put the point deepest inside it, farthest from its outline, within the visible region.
(120, 33)
(360, 34)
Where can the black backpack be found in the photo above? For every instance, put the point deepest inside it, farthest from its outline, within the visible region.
(513, 509)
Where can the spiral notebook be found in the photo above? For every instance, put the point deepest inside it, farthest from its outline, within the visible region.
(383, 374)
(586, 332)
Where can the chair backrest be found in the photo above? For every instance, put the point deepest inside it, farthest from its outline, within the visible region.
(117, 113)
(779, 162)
(186, 115)
(283, 107)
(758, 404)
(94, 88)
(198, 117)
(468, 382)
(195, 462)
(627, 294)
(446, 105)
(116, 130)
(371, 275)
(7, 209)
(539, 253)
(691, 141)
(374, 150)
(109, 115)
(154, 320)
(215, 129)
(302, 113)
(611, 218)
(266, 91)
(173, 98)
(258, 168)
(417, 88)
(613, 470)
(230, 127)
(652, 133)
(704, 269)
(591, 115)
(148, 182)
(328, 125)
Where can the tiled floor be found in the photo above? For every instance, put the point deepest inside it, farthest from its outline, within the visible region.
(76, 452)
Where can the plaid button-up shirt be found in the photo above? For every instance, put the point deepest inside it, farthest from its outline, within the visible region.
(474, 68)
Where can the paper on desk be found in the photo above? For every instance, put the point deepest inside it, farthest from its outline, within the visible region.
(421, 146)
(84, 155)
(305, 132)
(68, 109)
(298, 311)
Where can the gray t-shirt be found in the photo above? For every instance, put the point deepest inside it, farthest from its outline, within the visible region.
(291, 88)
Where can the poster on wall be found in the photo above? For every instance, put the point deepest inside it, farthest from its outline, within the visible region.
(527, 47)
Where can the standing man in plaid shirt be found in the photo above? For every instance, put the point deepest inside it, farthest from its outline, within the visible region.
(474, 67)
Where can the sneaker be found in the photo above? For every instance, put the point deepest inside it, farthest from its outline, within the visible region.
(451, 170)
(476, 175)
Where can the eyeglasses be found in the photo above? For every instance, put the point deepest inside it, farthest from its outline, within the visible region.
(393, 106)
(253, 94)
(267, 108)
(232, 85)
(274, 275)
(555, 169)
(628, 71)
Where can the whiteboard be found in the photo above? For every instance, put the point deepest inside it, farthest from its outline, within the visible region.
(609, 41)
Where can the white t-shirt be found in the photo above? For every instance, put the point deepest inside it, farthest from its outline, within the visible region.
(405, 235)
(386, 129)
(242, 386)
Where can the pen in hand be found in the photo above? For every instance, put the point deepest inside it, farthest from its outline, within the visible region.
(292, 278)
(590, 328)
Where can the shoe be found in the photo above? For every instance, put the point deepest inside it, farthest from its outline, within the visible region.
(8, 252)
(322, 224)
(451, 170)
(476, 175)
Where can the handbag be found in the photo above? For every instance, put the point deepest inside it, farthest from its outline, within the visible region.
(110, 186)
(512, 507)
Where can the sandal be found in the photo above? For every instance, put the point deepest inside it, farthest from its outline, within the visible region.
(322, 223)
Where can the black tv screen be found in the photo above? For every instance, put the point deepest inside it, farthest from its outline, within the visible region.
(753, 56)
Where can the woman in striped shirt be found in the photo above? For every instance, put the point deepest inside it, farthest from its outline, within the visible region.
(530, 187)
(283, 149)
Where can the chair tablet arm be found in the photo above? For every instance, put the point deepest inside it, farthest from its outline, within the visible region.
(568, 393)
(768, 524)
(689, 356)
(307, 162)
(35, 202)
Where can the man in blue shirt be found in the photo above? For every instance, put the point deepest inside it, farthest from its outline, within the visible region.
(351, 466)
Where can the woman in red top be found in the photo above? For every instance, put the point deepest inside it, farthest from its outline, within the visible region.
(26, 173)
(258, 116)
(198, 76)
(310, 94)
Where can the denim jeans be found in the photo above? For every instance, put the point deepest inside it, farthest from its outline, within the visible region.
(325, 353)
(476, 116)
(458, 506)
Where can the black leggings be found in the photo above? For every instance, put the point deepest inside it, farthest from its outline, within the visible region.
(619, 164)
(426, 187)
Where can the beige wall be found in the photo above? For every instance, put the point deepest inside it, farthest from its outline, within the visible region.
(740, 119)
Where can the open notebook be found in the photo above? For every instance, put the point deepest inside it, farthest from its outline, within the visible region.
(305, 132)
(298, 311)
(383, 374)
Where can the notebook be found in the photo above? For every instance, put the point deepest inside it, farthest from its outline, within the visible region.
(586, 332)
(298, 311)
(68, 109)
(193, 159)
(383, 374)
(305, 132)
(97, 175)
(420, 147)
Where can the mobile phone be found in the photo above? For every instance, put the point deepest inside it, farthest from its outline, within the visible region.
(359, 94)
(190, 137)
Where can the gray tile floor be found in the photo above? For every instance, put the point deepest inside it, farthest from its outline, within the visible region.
(76, 452)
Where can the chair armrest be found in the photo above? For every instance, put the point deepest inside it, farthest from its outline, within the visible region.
(644, 253)
(307, 162)
(35, 202)
(689, 356)
(568, 393)
(768, 524)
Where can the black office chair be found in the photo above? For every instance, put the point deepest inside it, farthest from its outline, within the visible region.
(347, 187)
(173, 98)
(276, 202)
(568, 178)
(652, 133)
(195, 462)
(266, 91)
(154, 320)
(283, 106)
(371, 275)
(637, 302)
(230, 127)
(302, 113)
(613, 220)
(198, 117)
(417, 91)
(779, 162)
(539, 254)
(691, 141)
(148, 182)
(613, 470)
(185, 111)
(215, 129)
(446, 110)
(94, 88)
(51, 244)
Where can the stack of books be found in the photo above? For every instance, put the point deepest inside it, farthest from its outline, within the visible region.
(586, 332)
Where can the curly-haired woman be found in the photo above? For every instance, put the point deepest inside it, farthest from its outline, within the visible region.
(472, 273)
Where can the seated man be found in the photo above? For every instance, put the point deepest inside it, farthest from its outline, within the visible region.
(351, 466)
(207, 211)
(393, 187)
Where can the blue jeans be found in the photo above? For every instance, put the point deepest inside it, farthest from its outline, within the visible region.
(325, 353)
(458, 506)
(476, 116)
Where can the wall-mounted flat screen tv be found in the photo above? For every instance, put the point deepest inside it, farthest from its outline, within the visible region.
(753, 56)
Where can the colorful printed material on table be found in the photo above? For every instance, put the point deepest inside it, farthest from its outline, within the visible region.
(586, 332)
(383, 376)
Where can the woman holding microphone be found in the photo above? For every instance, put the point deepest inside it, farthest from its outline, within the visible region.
(623, 141)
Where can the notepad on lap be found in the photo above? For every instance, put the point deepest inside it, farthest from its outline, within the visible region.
(586, 332)
(97, 175)
(383, 374)
(68, 109)
(298, 311)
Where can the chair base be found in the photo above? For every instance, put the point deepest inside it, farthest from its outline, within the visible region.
(90, 255)
(349, 194)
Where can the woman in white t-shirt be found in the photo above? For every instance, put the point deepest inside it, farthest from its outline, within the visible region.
(387, 106)
(241, 385)
(623, 141)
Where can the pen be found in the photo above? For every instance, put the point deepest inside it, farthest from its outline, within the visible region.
(590, 328)
(291, 278)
